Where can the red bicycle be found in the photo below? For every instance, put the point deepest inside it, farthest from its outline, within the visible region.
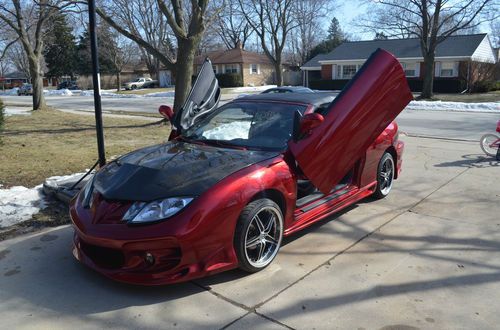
(490, 143)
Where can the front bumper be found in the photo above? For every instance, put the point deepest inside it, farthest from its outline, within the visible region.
(156, 254)
(152, 262)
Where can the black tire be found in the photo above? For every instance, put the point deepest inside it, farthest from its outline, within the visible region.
(255, 249)
(385, 176)
(134, 86)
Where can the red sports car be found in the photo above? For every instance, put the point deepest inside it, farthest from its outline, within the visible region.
(234, 180)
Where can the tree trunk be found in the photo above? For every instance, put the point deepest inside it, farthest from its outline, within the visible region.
(184, 71)
(279, 73)
(428, 76)
(118, 81)
(37, 81)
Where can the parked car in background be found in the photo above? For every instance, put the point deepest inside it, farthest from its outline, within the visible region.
(138, 83)
(68, 85)
(25, 89)
(234, 180)
(288, 89)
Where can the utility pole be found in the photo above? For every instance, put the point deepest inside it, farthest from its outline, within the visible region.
(97, 85)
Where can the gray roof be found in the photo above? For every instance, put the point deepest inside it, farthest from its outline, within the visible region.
(464, 45)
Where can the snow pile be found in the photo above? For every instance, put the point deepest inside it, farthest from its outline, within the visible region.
(53, 180)
(455, 106)
(19, 204)
(58, 92)
(229, 131)
(12, 91)
(251, 89)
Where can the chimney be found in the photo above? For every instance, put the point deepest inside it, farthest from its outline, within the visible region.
(239, 45)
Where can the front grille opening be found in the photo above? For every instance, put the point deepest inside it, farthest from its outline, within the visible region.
(102, 256)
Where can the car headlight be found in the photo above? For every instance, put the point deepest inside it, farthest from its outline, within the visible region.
(141, 212)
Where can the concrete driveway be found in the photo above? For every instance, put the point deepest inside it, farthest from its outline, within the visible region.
(428, 256)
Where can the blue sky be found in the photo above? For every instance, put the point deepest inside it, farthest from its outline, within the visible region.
(350, 9)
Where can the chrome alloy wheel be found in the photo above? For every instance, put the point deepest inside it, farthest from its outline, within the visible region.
(263, 237)
(387, 176)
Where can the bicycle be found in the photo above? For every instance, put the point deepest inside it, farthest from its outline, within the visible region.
(490, 143)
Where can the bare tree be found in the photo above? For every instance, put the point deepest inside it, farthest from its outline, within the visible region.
(17, 56)
(309, 32)
(27, 21)
(232, 27)
(431, 21)
(272, 21)
(186, 20)
(119, 50)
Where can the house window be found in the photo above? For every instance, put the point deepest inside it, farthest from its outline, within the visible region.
(254, 69)
(231, 68)
(447, 69)
(348, 71)
(410, 69)
(214, 67)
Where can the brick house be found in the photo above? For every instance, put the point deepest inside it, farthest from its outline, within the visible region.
(460, 62)
(255, 69)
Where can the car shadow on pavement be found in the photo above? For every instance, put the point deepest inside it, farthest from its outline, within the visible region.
(42, 271)
(472, 160)
(427, 263)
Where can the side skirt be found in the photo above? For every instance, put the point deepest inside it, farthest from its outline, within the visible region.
(321, 208)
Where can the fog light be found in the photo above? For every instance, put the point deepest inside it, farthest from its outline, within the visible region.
(149, 258)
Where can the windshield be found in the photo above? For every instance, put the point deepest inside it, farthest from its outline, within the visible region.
(261, 125)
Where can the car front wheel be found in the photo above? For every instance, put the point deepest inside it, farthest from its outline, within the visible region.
(258, 235)
(385, 176)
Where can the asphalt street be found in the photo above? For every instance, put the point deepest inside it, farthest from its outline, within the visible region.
(445, 124)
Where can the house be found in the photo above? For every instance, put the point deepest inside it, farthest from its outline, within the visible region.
(255, 69)
(13, 79)
(460, 62)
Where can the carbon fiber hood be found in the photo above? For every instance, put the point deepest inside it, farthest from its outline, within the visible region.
(171, 169)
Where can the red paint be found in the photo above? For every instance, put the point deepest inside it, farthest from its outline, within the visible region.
(198, 241)
(375, 97)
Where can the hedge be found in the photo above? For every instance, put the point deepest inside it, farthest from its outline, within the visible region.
(230, 80)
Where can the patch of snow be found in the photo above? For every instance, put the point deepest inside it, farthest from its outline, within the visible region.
(251, 89)
(58, 92)
(229, 131)
(12, 91)
(110, 95)
(18, 204)
(160, 94)
(493, 107)
(15, 111)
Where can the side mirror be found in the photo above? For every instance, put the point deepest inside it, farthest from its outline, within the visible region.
(310, 121)
(166, 112)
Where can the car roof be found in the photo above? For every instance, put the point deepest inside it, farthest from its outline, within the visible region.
(315, 99)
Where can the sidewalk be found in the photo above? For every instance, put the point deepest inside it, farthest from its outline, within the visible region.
(428, 256)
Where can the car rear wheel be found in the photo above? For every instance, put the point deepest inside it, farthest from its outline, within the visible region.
(258, 235)
(385, 176)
